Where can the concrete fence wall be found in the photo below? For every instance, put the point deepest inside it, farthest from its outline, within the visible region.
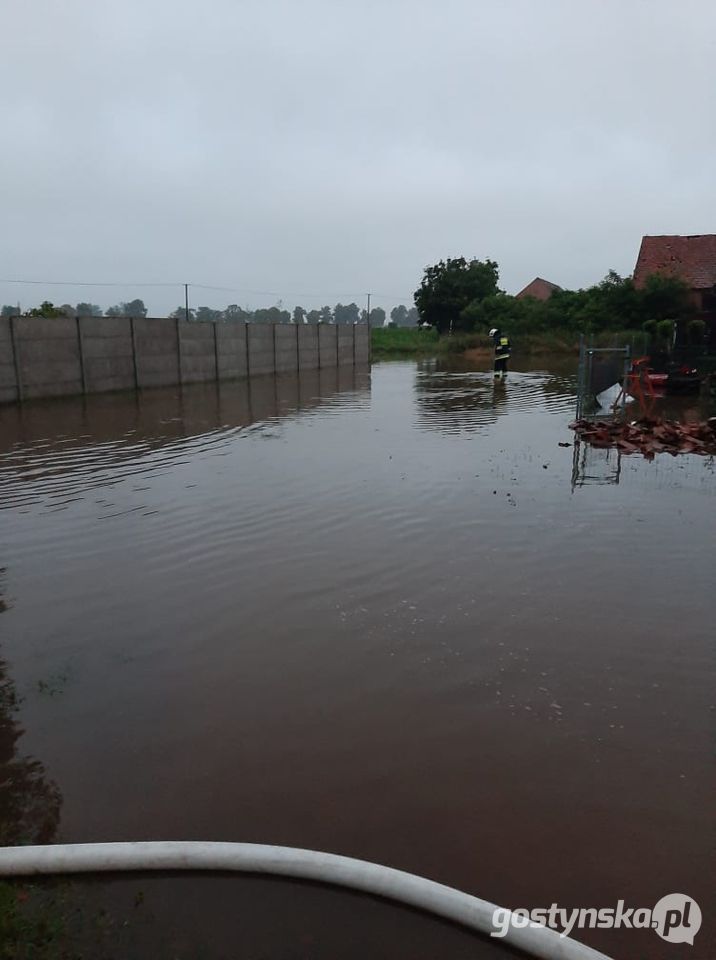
(108, 354)
(49, 357)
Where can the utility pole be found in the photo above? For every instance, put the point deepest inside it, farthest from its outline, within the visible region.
(186, 301)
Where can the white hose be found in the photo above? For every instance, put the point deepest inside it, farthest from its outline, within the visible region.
(329, 868)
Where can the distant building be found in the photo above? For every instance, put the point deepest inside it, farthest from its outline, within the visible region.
(539, 289)
(691, 259)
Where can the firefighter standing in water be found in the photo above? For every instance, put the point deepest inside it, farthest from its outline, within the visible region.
(502, 352)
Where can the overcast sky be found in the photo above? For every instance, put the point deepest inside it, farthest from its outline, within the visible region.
(313, 150)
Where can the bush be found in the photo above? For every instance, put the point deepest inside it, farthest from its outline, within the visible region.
(664, 332)
(696, 332)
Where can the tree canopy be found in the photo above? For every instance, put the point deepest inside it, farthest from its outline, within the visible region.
(88, 310)
(134, 308)
(463, 296)
(46, 309)
(449, 287)
(613, 304)
(347, 314)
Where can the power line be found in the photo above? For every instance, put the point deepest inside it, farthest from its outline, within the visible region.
(293, 293)
(85, 283)
(202, 286)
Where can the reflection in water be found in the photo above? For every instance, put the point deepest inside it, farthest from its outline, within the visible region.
(456, 400)
(29, 801)
(592, 465)
(65, 446)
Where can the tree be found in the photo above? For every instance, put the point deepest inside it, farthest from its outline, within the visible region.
(449, 286)
(299, 315)
(313, 316)
(325, 315)
(234, 313)
(398, 315)
(207, 315)
(68, 310)
(134, 308)
(88, 310)
(272, 315)
(348, 314)
(179, 314)
(412, 318)
(499, 310)
(665, 298)
(46, 309)
(9, 311)
(377, 317)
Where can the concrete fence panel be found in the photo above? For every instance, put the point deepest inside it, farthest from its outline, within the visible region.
(345, 344)
(8, 379)
(327, 345)
(156, 351)
(261, 348)
(48, 356)
(231, 353)
(308, 347)
(286, 338)
(361, 332)
(107, 353)
(197, 351)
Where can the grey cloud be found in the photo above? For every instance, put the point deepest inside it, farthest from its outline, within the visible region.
(332, 148)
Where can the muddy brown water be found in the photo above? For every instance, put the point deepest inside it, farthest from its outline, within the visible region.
(380, 613)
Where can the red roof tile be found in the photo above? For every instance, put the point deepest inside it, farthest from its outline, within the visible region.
(693, 259)
(539, 289)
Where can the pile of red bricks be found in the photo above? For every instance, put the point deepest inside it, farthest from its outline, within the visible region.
(650, 436)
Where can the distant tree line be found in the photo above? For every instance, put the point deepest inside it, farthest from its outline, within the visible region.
(400, 316)
(462, 296)
(134, 308)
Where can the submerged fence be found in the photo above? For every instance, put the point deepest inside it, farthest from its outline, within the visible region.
(60, 356)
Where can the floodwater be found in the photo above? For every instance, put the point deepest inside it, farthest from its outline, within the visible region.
(380, 614)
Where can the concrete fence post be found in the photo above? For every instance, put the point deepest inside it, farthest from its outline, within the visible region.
(216, 352)
(181, 376)
(298, 352)
(248, 352)
(134, 352)
(80, 347)
(16, 359)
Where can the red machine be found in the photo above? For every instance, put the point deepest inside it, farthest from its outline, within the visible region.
(647, 382)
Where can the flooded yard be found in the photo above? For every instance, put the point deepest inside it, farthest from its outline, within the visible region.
(383, 614)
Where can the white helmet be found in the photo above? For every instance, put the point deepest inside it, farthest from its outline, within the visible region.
(493, 332)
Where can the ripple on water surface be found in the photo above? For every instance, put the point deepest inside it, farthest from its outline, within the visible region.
(386, 615)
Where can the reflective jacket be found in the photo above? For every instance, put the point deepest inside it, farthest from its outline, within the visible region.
(502, 347)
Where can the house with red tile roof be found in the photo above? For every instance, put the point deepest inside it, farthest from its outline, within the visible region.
(539, 289)
(691, 259)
